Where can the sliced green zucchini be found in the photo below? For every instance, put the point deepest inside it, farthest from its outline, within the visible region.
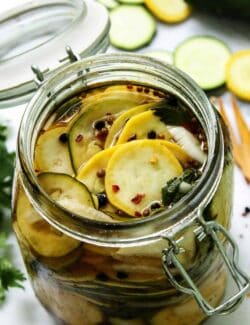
(132, 27)
(52, 152)
(71, 195)
(83, 137)
(121, 121)
(188, 142)
(66, 191)
(42, 237)
(161, 55)
(203, 58)
(132, 2)
(109, 4)
(142, 126)
(136, 172)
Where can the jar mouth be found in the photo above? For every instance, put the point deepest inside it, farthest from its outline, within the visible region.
(103, 70)
(32, 19)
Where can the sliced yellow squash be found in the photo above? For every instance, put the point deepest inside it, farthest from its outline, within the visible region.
(178, 152)
(136, 173)
(121, 121)
(169, 11)
(52, 153)
(141, 125)
(93, 173)
(42, 237)
(238, 74)
(83, 141)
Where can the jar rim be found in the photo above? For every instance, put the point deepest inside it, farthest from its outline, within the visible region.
(140, 231)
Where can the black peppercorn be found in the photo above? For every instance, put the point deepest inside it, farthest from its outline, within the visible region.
(155, 205)
(102, 277)
(99, 125)
(121, 275)
(102, 199)
(63, 138)
(151, 134)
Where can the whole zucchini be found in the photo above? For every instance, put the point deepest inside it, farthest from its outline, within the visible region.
(232, 8)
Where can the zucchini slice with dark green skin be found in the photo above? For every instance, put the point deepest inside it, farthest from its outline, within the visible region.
(72, 195)
(66, 191)
(204, 59)
(132, 27)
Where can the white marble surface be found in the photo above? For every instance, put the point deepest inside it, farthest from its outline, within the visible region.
(21, 306)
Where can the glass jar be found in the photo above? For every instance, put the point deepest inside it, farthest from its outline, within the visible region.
(140, 272)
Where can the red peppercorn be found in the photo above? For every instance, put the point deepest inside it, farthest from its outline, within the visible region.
(146, 90)
(146, 212)
(101, 173)
(102, 135)
(79, 138)
(139, 89)
(129, 86)
(137, 214)
(115, 188)
(138, 198)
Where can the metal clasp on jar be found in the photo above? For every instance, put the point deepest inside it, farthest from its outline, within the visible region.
(213, 230)
(40, 75)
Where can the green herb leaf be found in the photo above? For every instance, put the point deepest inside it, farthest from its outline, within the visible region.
(177, 187)
(170, 114)
(9, 275)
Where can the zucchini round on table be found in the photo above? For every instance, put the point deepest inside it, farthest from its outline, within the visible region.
(109, 4)
(169, 11)
(132, 2)
(136, 173)
(238, 74)
(132, 27)
(161, 55)
(203, 58)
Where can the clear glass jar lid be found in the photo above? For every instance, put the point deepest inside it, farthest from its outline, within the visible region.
(37, 34)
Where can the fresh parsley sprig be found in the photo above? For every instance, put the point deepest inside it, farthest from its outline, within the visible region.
(9, 275)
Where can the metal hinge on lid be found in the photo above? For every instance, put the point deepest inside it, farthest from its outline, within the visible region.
(40, 75)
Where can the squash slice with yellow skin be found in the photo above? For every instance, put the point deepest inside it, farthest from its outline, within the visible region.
(136, 173)
(83, 143)
(238, 74)
(140, 125)
(178, 152)
(88, 174)
(121, 121)
(169, 11)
